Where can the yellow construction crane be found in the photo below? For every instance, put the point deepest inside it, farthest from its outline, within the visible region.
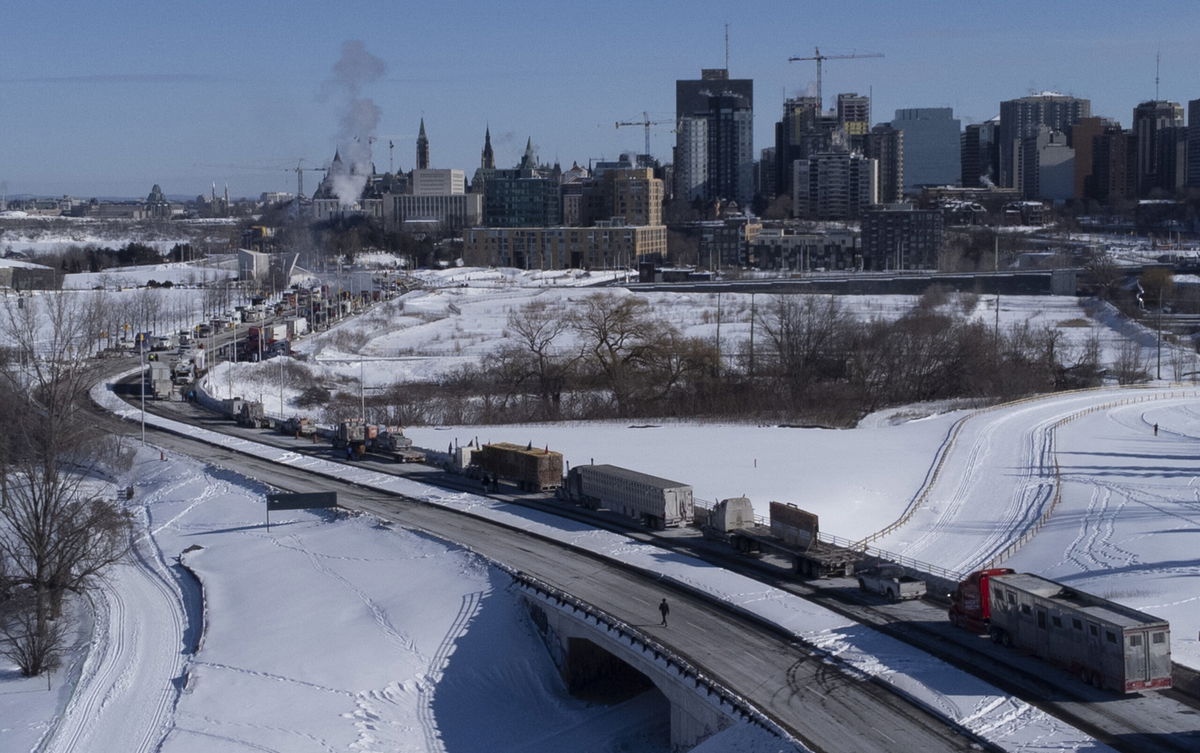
(645, 122)
(817, 56)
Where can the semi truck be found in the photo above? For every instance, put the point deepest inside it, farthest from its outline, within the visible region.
(530, 468)
(250, 414)
(656, 502)
(298, 426)
(1104, 643)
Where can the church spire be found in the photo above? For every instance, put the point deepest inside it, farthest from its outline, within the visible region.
(528, 161)
(488, 160)
(422, 148)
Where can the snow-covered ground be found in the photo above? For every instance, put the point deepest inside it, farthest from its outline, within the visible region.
(1125, 526)
(323, 633)
(463, 317)
(1011, 724)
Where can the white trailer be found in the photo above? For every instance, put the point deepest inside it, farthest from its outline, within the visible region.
(657, 502)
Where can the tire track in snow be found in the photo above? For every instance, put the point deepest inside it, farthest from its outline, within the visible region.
(126, 693)
(467, 608)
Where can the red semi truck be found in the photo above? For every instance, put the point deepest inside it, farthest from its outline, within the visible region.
(1100, 641)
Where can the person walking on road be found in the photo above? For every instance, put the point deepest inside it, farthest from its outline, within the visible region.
(664, 610)
(1156, 430)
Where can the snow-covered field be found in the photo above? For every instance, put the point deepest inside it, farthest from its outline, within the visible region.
(320, 693)
(1125, 525)
(321, 634)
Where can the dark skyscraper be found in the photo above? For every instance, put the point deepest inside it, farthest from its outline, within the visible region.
(715, 139)
(1020, 118)
(886, 145)
(1158, 128)
(422, 148)
(1193, 143)
(803, 131)
(980, 156)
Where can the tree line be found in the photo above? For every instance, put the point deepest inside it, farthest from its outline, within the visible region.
(809, 359)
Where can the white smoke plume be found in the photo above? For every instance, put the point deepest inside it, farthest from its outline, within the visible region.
(360, 117)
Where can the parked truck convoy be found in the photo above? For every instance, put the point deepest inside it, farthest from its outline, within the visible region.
(530, 468)
(1103, 643)
(656, 502)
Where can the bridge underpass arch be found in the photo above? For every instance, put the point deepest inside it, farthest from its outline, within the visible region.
(585, 643)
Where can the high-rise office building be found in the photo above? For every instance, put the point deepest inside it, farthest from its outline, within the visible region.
(1193, 144)
(802, 131)
(1021, 117)
(1114, 155)
(719, 112)
(932, 138)
(691, 158)
(1083, 139)
(854, 117)
(1047, 166)
(980, 154)
(854, 108)
(1158, 128)
(886, 146)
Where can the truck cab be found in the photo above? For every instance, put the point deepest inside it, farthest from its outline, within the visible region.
(970, 605)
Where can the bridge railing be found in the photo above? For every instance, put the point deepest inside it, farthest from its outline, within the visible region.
(724, 696)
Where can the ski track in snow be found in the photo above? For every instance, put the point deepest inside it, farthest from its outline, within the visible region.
(130, 668)
(968, 526)
(942, 538)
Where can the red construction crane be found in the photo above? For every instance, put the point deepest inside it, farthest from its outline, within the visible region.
(645, 122)
(817, 56)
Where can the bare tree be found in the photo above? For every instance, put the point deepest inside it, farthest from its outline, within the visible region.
(56, 537)
(619, 336)
(538, 356)
(1131, 365)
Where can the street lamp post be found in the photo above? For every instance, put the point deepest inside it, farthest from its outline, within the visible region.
(142, 359)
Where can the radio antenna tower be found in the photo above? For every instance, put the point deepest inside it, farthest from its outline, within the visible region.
(1157, 61)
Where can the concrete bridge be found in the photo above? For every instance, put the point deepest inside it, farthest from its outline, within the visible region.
(589, 646)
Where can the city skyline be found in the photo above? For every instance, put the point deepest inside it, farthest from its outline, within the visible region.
(109, 100)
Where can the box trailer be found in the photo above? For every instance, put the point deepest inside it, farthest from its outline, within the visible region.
(656, 502)
(1102, 642)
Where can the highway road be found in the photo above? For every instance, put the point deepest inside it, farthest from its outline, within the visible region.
(798, 688)
(812, 699)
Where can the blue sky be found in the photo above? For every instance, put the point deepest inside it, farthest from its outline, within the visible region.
(108, 98)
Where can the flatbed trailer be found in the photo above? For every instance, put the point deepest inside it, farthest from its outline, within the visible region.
(817, 559)
(530, 468)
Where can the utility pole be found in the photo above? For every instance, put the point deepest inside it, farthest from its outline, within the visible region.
(819, 58)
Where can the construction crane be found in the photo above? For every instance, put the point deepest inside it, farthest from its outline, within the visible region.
(299, 170)
(817, 56)
(645, 122)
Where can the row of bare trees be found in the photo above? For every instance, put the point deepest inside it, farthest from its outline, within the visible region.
(811, 360)
(58, 534)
